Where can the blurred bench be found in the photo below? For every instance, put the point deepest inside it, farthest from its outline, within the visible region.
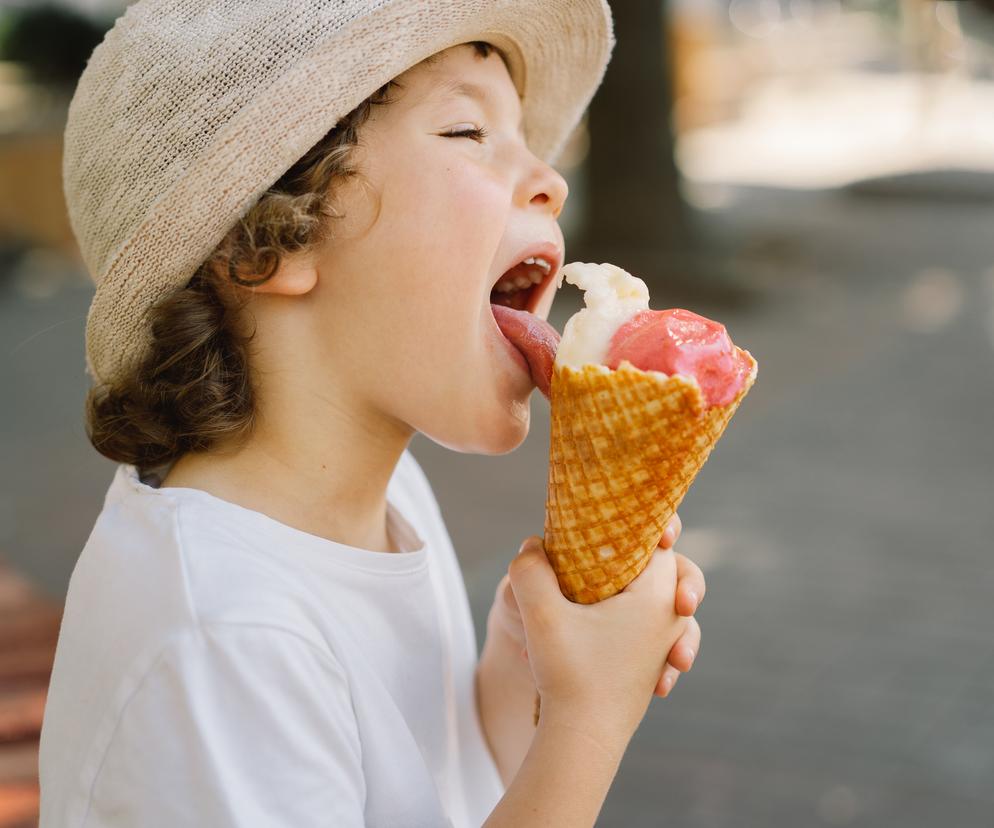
(29, 629)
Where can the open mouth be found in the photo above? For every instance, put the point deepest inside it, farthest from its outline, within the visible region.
(523, 286)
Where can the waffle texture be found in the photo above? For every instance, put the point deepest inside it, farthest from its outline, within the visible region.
(188, 110)
(625, 446)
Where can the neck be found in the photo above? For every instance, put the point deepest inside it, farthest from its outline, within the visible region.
(309, 463)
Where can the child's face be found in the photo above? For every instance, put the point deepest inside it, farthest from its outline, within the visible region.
(404, 293)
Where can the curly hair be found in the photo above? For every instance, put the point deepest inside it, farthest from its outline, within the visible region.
(192, 389)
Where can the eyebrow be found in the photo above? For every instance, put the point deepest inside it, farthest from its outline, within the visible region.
(461, 88)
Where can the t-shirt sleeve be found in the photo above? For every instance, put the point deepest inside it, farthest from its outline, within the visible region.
(235, 725)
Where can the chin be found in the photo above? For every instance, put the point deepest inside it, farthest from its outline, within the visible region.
(509, 430)
(500, 435)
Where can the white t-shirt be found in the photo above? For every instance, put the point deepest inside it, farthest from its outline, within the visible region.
(216, 667)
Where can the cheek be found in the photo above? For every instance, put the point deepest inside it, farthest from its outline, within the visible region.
(451, 223)
(469, 184)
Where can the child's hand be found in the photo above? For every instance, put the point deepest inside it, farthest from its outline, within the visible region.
(597, 663)
(505, 617)
(690, 590)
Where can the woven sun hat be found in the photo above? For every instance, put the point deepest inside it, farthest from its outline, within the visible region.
(189, 110)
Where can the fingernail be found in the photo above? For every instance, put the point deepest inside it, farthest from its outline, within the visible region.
(693, 655)
(694, 599)
(667, 685)
(668, 536)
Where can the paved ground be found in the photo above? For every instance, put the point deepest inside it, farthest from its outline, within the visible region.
(844, 522)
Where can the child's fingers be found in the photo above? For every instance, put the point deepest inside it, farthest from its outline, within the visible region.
(666, 682)
(533, 580)
(506, 594)
(660, 569)
(685, 650)
(677, 525)
(681, 659)
(673, 529)
(504, 615)
(690, 585)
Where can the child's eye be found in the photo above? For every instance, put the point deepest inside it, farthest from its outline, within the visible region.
(477, 134)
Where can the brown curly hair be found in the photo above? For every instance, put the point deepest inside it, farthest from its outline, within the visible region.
(192, 390)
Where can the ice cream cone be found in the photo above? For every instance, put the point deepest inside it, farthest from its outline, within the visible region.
(627, 441)
(625, 446)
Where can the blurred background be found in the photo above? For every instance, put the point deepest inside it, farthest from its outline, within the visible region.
(819, 176)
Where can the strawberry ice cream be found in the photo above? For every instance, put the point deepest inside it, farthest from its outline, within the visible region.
(677, 341)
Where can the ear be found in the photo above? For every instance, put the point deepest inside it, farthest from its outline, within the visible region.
(297, 274)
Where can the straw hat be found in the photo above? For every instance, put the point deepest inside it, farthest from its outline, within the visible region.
(189, 110)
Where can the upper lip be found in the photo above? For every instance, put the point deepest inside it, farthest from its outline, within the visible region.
(551, 252)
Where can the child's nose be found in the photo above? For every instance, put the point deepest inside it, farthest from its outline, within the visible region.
(545, 186)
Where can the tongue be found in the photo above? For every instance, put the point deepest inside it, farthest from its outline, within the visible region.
(535, 338)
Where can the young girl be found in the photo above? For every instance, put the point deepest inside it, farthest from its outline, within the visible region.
(295, 214)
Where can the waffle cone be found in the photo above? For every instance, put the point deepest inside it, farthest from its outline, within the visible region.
(625, 446)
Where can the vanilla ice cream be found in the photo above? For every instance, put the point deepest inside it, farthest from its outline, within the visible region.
(612, 296)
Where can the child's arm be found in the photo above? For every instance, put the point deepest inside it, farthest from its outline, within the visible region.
(505, 692)
(566, 774)
(588, 715)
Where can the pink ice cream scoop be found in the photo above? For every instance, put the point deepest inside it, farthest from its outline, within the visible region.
(677, 341)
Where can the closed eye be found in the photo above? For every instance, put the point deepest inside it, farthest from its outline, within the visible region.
(477, 134)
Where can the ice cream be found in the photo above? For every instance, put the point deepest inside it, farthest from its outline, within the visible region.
(638, 399)
(612, 296)
(617, 325)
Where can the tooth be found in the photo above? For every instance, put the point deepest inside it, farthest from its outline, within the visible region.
(535, 272)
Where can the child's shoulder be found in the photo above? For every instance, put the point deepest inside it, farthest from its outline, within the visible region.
(220, 562)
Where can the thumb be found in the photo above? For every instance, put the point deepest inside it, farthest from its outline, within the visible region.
(533, 580)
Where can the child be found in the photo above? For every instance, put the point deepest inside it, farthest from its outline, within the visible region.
(295, 213)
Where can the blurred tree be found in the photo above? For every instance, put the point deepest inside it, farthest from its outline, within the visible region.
(635, 211)
(51, 41)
